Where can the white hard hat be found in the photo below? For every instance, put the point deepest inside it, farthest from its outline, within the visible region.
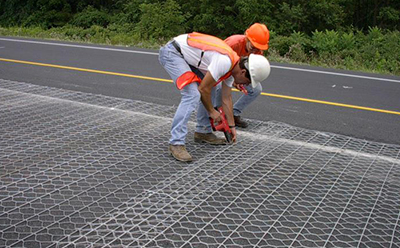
(259, 69)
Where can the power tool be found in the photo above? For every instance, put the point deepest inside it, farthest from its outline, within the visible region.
(223, 126)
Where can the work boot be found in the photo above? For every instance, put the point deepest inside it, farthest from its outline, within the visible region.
(180, 153)
(209, 138)
(239, 122)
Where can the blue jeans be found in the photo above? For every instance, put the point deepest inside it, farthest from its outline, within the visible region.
(175, 65)
(243, 101)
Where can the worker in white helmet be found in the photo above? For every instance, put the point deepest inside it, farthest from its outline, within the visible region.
(213, 58)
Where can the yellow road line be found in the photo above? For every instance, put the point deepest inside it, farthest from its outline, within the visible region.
(331, 103)
(170, 81)
(86, 70)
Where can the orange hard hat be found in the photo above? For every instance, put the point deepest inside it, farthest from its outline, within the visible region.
(258, 34)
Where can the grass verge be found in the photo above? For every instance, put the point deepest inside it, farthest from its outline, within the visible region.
(283, 49)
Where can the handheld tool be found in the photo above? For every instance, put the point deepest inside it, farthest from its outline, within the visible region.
(223, 126)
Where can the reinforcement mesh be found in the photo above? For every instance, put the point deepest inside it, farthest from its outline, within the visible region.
(85, 170)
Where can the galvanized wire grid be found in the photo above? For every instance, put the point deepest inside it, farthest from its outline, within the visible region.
(84, 170)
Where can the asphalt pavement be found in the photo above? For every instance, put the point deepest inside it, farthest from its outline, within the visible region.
(369, 91)
(84, 157)
(87, 170)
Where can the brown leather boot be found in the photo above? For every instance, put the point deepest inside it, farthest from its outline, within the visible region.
(208, 138)
(239, 122)
(180, 153)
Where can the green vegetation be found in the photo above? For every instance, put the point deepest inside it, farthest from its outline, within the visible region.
(374, 51)
(347, 34)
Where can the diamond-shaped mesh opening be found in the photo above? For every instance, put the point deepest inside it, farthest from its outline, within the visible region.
(85, 170)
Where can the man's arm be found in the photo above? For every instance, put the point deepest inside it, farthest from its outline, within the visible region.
(227, 105)
(205, 89)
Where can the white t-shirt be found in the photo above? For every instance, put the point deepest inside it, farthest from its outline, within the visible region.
(214, 62)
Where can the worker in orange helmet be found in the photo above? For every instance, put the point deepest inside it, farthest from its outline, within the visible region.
(254, 41)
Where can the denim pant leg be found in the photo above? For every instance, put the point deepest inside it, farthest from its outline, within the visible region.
(175, 65)
(189, 102)
(245, 100)
(203, 119)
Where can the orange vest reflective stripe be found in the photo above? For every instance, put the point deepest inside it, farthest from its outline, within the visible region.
(211, 43)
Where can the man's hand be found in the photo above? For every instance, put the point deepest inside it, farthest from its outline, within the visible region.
(226, 93)
(240, 87)
(233, 129)
(216, 116)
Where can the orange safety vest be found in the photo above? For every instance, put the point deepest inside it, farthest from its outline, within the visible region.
(207, 42)
(238, 43)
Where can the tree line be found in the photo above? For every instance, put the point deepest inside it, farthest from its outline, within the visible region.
(217, 17)
(349, 34)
